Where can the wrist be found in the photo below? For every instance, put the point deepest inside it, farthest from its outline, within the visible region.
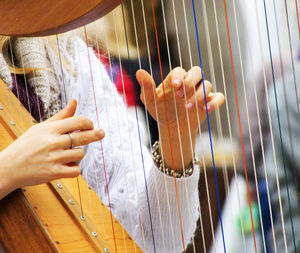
(185, 172)
(7, 182)
(177, 149)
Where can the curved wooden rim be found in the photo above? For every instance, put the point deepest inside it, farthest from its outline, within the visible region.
(48, 17)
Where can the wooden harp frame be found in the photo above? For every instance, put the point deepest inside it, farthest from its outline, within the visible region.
(47, 217)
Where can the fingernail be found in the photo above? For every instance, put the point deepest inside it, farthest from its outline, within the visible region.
(189, 106)
(176, 82)
(101, 133)
(180, 93)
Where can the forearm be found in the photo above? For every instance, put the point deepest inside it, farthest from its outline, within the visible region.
(177, 149)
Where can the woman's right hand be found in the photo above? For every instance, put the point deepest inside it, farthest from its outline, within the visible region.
(45, 151)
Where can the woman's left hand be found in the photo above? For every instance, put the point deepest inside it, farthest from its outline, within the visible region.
(182, 91)
(178, 103)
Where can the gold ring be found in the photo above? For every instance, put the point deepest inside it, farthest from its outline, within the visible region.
(71, 139)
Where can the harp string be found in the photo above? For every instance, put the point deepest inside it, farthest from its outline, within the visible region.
(198, 121)
(262, 148)
(271, 129)
(66, 100)
(209, 127)
(124, 97)
(227, 106)
(101, 147)
(218, 111)
(139, 133)
(284, 86)
(171, 151)
(125, 100)
(77, 180)
(291, 51)
(109, 138)
(139, 62)
(118, 123)
(248, 121)
(15, 77)
(138, 127)
(296, 179)
(218, 120)
(109, 124)
(96, 177)
(279, 126)
(239, 123)
(176, 111)
(155, 105)
(297, 14)
(147, 121)
(26, 88)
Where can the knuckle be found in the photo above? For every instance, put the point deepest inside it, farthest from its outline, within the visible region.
(208, 85)
(52, 143)
(82, 121)
(178, 72)
(196, 69)
(56, 171)
(178, 68)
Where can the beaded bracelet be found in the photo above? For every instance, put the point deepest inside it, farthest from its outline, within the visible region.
(186, 172)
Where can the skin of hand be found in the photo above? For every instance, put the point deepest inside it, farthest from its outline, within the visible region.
(182, 91)
(43, 153)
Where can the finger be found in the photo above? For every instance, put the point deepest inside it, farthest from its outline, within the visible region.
(69, 155)
(192, 79)
(215, 101)
(177, 78)
(147, 85)
(198, 97)
(81, 138)
(67, 112)
(67, 171)
(72, 124)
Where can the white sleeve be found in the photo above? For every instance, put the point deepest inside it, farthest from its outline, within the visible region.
(133, 179)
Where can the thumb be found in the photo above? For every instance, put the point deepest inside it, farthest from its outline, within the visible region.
(66, 112)
(147, 85)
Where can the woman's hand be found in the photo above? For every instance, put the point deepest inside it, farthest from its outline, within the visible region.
(189, 92)
(44, 152)
(182, 91)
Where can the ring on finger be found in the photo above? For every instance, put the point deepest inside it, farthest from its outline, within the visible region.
(71, 139)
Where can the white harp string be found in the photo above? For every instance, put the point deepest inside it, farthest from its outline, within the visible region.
(219, 128)
(147, 121)
(248, 121)
(296, 179)
(196, 102)
(127, 118)
(177, 121)
(271, 129)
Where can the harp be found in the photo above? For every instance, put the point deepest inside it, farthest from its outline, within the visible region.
(231, 72)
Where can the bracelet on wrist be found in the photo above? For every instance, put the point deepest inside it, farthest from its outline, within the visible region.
(186, 172)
